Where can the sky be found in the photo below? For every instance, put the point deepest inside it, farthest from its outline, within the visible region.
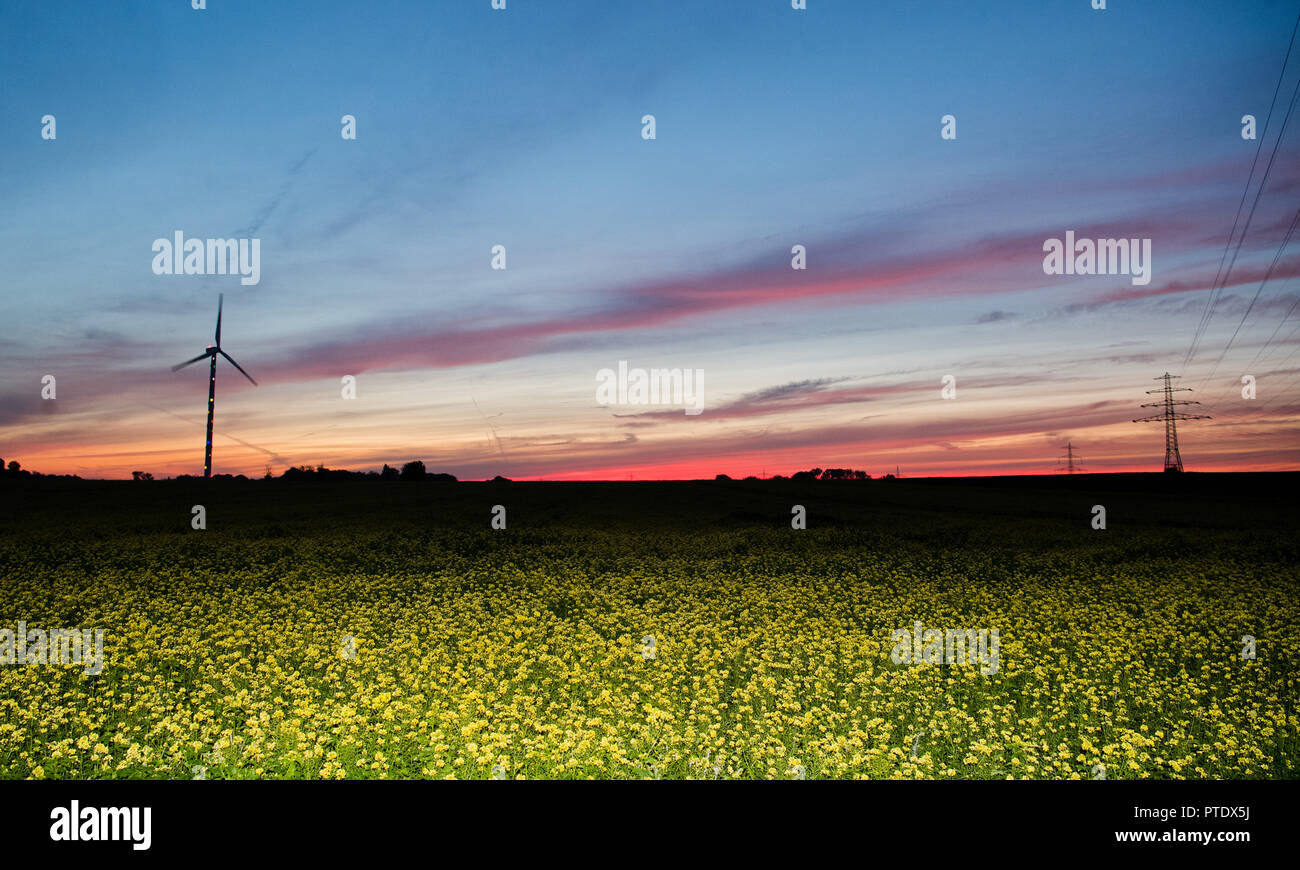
(524, 128)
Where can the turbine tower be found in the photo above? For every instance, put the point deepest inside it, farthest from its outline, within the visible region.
(211, 352)
(1173, 460)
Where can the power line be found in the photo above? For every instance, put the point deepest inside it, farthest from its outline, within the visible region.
(1255, 204)
(1268, 274)
(1276, 330)
(1258, 354)
(1281, 394)
(1215, 289)
(1277, 397)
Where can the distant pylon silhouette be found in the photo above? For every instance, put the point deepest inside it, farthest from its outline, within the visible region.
(1070, 467)
(1173, 459)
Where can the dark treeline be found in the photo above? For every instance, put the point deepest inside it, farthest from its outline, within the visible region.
(819, 474)
(833, 474)
(413, 470)
(15, 471)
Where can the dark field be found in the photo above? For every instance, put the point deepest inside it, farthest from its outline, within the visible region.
(384, 629)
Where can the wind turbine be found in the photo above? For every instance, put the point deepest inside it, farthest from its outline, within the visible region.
(212, 351)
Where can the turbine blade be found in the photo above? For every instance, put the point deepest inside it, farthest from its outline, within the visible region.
(236, 365)
(180, 366)
(220, 298)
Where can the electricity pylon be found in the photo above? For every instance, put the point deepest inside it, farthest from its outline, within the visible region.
(1070, 467)
(1173, 460)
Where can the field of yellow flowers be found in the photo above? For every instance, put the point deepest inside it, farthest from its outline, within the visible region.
(344, 636)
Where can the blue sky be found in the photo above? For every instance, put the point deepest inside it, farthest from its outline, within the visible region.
(522, 127)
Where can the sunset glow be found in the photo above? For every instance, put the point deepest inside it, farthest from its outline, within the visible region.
(925, 256)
